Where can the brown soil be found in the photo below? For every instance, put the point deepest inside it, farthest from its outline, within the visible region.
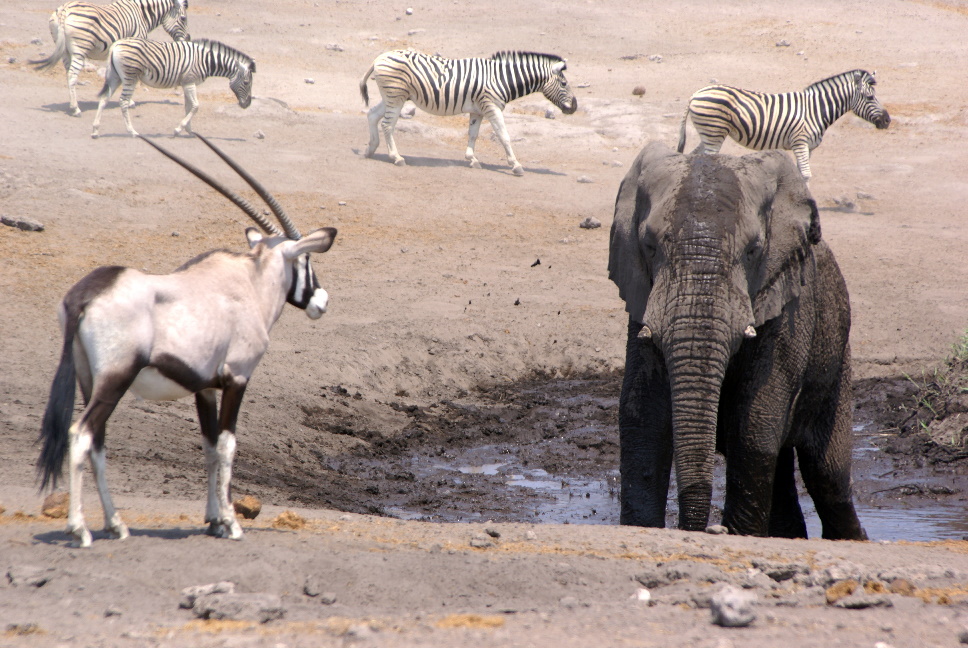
(444, 331)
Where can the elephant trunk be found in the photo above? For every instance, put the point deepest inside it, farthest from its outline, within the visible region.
(696, 360)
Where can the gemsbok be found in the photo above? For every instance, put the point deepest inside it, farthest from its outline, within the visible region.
(201, 329)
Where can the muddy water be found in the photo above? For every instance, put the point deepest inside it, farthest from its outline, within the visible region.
(511, 485)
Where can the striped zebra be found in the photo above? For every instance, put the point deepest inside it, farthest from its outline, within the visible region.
(793, 120)
(169, 64)
(481, 87)
(82, 30)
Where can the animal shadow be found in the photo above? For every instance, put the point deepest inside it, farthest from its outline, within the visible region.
(420, 161)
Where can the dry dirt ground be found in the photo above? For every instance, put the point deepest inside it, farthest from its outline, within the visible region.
(438, 303)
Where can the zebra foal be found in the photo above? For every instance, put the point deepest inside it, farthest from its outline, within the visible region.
(166, 65)
(82, 30)
(793, 120)
(481, 87)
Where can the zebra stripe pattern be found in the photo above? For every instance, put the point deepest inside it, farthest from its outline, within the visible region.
(166, 65)
(82, 30)
(481, 87)
(793, 121)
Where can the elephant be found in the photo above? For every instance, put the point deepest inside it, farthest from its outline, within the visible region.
(737, 342)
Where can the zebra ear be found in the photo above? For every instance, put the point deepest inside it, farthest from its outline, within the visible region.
(252, 67)
(559, 67)
(627, 265)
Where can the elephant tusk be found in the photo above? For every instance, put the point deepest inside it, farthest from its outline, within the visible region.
(646, 332)
(749, 332)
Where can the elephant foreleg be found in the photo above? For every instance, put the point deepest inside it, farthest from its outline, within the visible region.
(786, 516)
(645, 430)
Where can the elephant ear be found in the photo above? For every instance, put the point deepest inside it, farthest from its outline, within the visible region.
(792, 227)
(627, 265)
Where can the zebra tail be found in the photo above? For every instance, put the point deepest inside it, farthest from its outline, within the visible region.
(60, 44)
(682, 131)
(363, 91)
(110, 73)
(60, 409)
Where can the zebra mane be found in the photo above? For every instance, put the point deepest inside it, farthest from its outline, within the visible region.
(220, 47)
(850, 73)
(513, 56)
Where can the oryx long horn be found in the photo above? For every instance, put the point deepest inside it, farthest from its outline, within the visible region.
(277, 209)
(239, 201)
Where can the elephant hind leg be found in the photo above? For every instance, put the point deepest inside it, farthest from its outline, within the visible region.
(786, 516)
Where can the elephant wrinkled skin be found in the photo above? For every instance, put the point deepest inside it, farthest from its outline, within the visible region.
(737, 343)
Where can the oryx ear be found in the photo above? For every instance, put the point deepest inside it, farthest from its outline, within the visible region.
(253, 236)
(627, 263)
(316, 241)
(792, 226)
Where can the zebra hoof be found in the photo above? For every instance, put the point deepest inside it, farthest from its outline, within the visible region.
(475, 164)
(75, 112)
(401, 162)
(95, 135)
(518, 170)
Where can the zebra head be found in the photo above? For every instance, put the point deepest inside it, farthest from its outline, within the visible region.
(241, 81)
(865, 104)
(175, 20)
(556, 88)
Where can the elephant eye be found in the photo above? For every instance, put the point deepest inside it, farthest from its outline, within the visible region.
(753, 249)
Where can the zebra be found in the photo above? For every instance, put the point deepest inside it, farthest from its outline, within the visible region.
(481, 87)
(82, 30)
(166, 65)
(793, 120)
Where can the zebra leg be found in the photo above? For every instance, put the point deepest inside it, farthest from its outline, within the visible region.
(389, 123)
(711, 142)
(802, 153)
(125, 102)
(373, 117)
(76, 65)
(191, 107)
(472, 130)
(496, 117)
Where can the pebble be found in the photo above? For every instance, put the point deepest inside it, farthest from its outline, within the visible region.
(334, 47)
(731, 607)
(717, 529)
(239, 607)
(585, 179)
(481, 541)
(25, 224)
(550, 114)
(309, 81)
(190, 594)
(260, 135)
(29, 575)
(590, 222)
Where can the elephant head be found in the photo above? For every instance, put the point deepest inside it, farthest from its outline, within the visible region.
(708, 251)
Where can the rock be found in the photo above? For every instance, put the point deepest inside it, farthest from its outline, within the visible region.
(248, 507)
(239, 607)
(550, 114)
(783, 43)
(190, 594)
(717, 529)
(327, 598)
(481, 541)
(409, 11)
(412, 32)
(25, 224)
(312, 586)
(780, 571)
(863, 601)
(260, 135)
(334, 47)
(638, 91)
(642, 595)
(12, 60)
(655, 58)
(55, 505)
(494, 533)
(841, 589)
(731, 607)
(530, 535)
(585, 180)
(112, 611)
(863, 195)
(29, 576)
(590, 222)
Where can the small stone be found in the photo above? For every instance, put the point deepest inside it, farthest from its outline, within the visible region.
(25, 224)
(334, 47)
(327, 598)
(260, 135)
(568, 602)
(585, 180)
(12, 60)
(655, 58)
(902, 586)
(590, 222)
(638, 91)
(409, 11)
(190, 594)
(29, 575)
(239, 607)
(248, 507)
(175, 234)
(963, 636)
(413, 32)
(643, 595)
(312, 586)
(481, 541)
(530, 535)
(863, 195)
(494, 533)
(112, 611)
(35, 41)
(550, 114)
(309, 81)
(342, 203)
(717, 529)
(55, 505)
(783, 43)
(731, 607)
(864, 601)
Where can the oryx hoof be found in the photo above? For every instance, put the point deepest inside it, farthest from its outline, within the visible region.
(81, 537)
(369, 151)
(95, 135)
(400, 162)
(518, 170)
(74, 111)
(118, 530)
(475, 164)
(229, 530)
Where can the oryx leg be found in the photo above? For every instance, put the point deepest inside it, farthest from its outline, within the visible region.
(472, 131)
(86, 441)
(191, 107)
(219, 454)
(373, 117)
(496, 117)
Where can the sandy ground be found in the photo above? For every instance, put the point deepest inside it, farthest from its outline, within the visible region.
(436, 292)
